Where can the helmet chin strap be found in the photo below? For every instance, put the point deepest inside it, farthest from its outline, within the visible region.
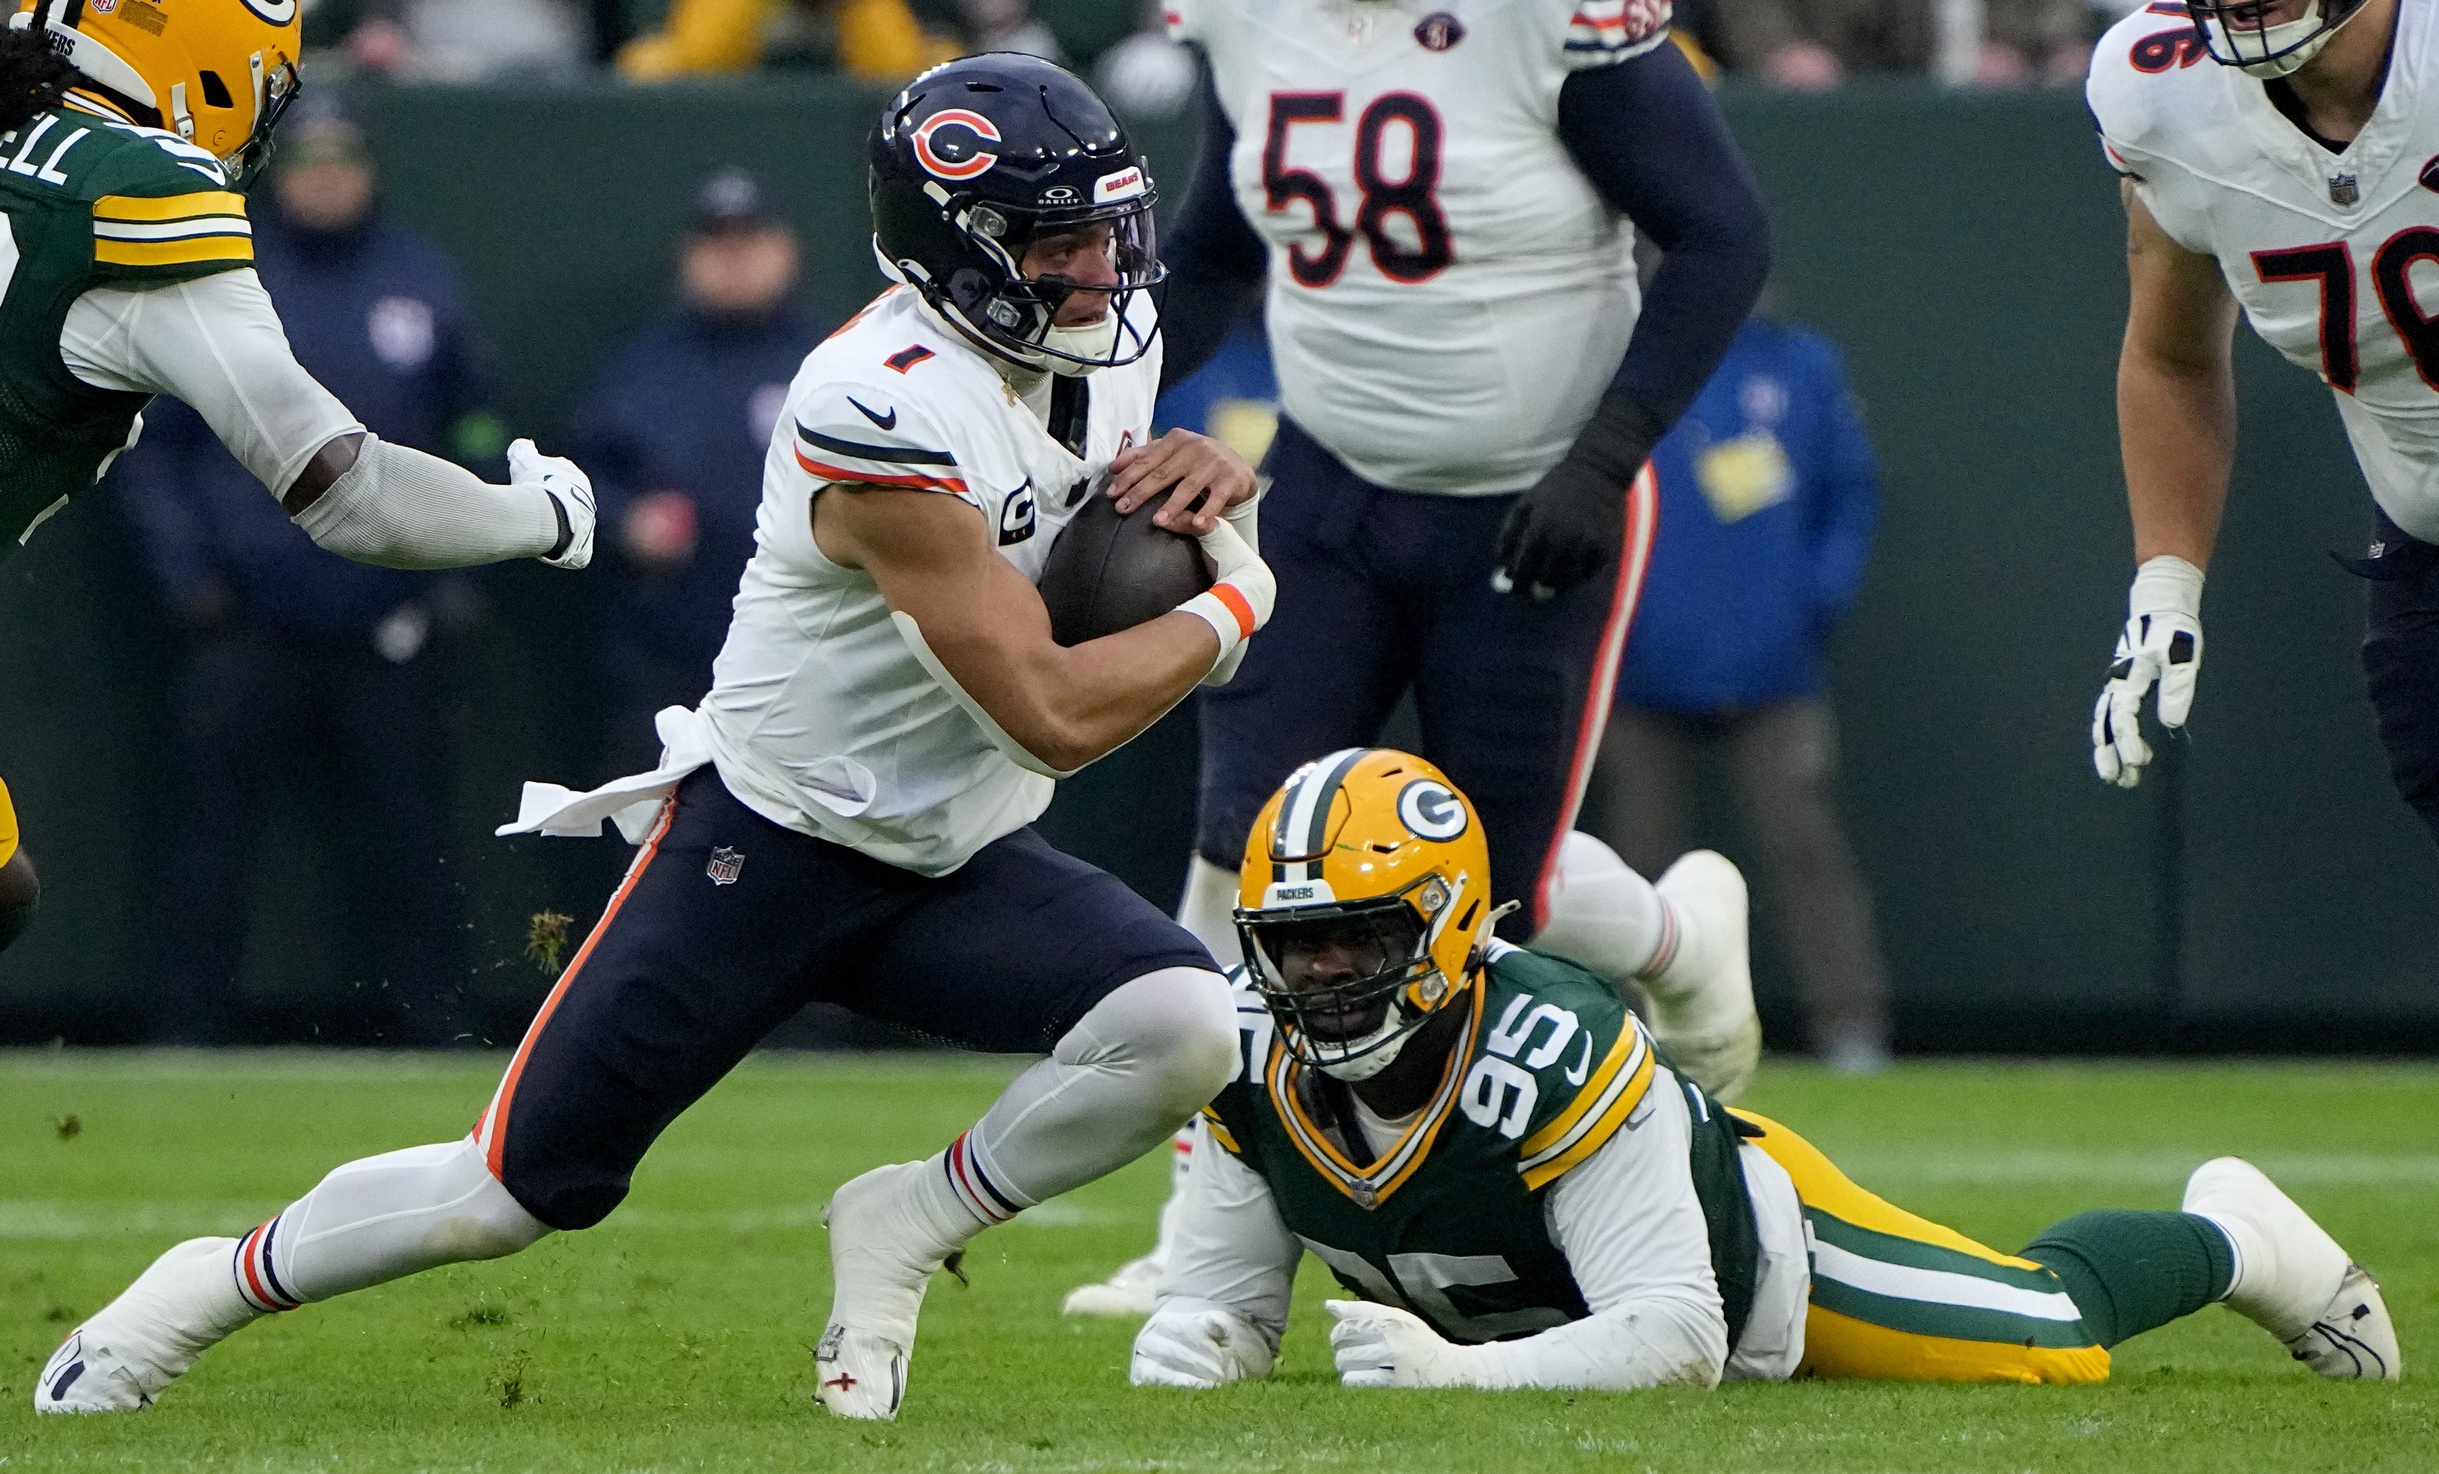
(1094, 340)
(2299, 33)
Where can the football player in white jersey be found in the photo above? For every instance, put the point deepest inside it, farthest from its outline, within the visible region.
(2293, 181)
(1443, 196)
(847, 816)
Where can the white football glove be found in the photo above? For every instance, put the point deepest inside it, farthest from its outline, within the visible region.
(1201, 1346)
(1239, 599)
(2162, 645)
(567, 486)
(1383, 1346)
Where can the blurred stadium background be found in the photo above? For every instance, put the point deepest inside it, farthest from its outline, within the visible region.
(1960, 243)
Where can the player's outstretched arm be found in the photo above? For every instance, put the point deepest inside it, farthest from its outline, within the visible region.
(2176, 426)
(216, 342)
(967, 611)
(1223, 1297)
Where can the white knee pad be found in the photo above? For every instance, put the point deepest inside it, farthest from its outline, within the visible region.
(397, 1214)
(1173, 1031)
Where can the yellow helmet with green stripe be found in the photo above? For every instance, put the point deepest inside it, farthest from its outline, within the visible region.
(1363, 905)
(217, 73)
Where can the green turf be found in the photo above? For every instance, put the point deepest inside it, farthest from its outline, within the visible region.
(676, 1335)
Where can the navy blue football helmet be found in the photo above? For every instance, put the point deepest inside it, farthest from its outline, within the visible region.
(973, 161)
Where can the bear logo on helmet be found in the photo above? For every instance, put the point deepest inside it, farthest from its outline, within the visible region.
(954, 144)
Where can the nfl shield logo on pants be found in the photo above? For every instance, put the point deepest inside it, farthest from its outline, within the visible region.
(725, 863)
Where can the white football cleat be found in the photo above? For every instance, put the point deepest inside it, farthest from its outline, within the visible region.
(1702, 1001)
(882, 1257)
(2292, 1279)
(1127, 1293)
(122, 1357)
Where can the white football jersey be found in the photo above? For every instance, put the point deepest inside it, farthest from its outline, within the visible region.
(1449, 295)
(2333, 256)
(820, 716)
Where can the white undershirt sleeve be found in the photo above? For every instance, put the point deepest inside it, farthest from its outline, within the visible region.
(215, 342)
(1634, 1235)
(1231, 1251)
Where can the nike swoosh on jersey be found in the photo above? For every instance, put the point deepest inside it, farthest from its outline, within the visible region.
(886, 422)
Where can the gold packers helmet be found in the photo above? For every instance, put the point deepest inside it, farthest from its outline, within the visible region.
(1363, 905)
(217, 73)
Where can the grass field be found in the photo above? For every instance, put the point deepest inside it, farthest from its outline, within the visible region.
(677, 1335)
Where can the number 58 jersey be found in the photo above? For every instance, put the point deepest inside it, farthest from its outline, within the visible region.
(2333, 256)
(1448, 294)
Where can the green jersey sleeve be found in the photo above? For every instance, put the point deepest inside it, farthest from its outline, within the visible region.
(1574, 1061)
(163, 211)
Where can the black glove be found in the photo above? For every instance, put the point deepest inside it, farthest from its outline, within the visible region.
(1570, 523)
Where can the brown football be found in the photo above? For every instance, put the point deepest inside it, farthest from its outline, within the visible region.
(1108, 572)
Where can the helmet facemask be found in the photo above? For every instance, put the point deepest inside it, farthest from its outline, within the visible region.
(274, 93)
(1350, 984)
(1017, 315)
(2239, 33)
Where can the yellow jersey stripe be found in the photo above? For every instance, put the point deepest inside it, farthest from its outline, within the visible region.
(1548, 1136)
(169, 207)
(1220, 1134)
(1535, 1178)
(173, 253)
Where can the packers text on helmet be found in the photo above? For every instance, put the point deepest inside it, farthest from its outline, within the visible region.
(217, 73)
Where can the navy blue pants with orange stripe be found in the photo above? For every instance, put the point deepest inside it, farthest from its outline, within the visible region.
(727, 924)
(1383, 591)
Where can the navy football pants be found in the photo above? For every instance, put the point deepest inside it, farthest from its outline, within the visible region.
(1383, 590)
(2401, 664)
(727, 924)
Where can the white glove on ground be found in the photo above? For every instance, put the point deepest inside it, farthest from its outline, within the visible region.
(1199, 1346)
(1239, 599)
(566, 485)
(2162, 644)
(1383, 1346)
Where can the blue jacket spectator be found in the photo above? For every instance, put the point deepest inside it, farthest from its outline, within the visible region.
(1767, 503)
(298, 667)
(674, 437)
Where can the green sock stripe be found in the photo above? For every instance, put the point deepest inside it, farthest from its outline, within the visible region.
(2130, 1272)
(1914, 1254)
(1954, 1322)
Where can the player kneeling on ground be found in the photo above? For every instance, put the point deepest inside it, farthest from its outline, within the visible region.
(847, 816)
(1484, 1145)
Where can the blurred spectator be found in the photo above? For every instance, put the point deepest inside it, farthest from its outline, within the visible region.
(1813, 45)
(871, 40)
(675, 438)
(296, 666)
(1147, 75)
(458, 40)
(1007, 25)
(1766, 511)
(1233, 398)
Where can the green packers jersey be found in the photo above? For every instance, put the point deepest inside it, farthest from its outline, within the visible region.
(1448, 1222)
(88, 201)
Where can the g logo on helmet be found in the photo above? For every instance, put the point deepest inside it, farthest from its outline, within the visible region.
(273, 12)
(1430, 810)
(950, 144)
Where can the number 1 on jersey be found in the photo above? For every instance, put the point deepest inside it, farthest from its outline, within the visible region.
(1383, 197)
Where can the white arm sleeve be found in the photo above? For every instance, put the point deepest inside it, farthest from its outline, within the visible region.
(1634, 1236)
(1231, 1251)
(215, 342)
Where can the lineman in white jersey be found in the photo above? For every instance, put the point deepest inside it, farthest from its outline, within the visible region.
(1443, 196)
(846, 818)
(2294, 182)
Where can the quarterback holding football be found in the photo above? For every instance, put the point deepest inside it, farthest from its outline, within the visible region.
(2277, 160)
(1520, 1189)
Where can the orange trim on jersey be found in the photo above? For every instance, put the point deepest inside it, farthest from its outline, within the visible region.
(867, 478)
(865, 311)
(1238, 605)
(492, 1128)
(1634, 559)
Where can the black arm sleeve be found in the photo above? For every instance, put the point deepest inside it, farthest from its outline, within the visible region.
(1216, 263)
(1651, 140)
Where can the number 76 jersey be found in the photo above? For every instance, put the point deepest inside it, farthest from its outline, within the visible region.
(1448, 294)
(2333, 256)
